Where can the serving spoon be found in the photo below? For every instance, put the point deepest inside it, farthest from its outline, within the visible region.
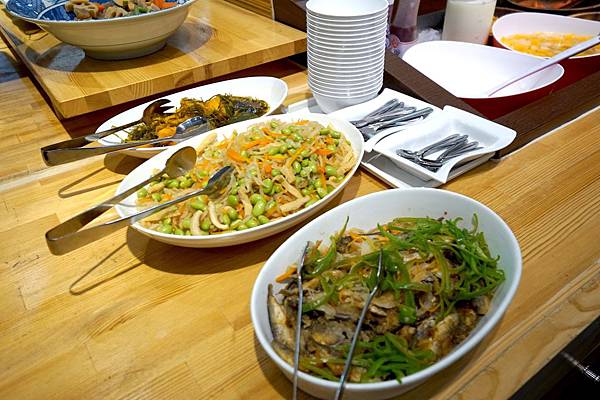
(68, 236)
(570, 52)
(65, 152)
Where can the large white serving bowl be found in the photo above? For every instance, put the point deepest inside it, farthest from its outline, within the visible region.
(147, 169)
(272, 90)
(346, 9)
(364, 213)
(470, 71)
(108, 39)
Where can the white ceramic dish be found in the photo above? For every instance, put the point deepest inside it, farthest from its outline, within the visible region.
(346, 66)
(531, 22)
(348, 74)
(346, 9)
(331, 24)
(345, 79)
(359, 58)
(271, 90)
(490, 135)
(370, 41)
(109, 39)
(127, 207)
(359, 111)
(345, 53)
(470, 71)
(351, 34)
(365, 212)
(346, 90)
(363, 48)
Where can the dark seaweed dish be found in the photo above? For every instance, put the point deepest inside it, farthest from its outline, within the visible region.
(437, 283)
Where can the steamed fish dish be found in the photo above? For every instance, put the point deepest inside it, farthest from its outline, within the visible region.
(279, 169)
(438, 280)
(219, 110)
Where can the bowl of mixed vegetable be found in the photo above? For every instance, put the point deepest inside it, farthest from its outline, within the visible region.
(106, 29)
(450, 268)
(285, 169)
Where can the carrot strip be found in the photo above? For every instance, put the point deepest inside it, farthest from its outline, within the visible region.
(235, 156)
(302, 122)
(268, 168)
(324, 152)
(259, 142)
(287, 274)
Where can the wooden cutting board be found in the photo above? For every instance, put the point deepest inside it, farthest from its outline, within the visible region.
(216, 39)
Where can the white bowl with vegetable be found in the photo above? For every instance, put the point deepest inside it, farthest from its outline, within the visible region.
(106, 29)
(365, 213)
(287, 168)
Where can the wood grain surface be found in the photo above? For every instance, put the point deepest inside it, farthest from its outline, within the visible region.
(128, 317)
(261, 7)
(217, 38)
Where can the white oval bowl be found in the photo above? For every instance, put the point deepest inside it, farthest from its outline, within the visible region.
(273, 91)
(346, 9)
(118, 38)
(365, 212)
(531, 22)
(144, 171)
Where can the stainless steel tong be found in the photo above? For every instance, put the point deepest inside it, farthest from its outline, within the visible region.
(68, 236)
(340, 389)
(452, 146)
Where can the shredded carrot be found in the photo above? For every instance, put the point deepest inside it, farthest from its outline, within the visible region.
(324, 152)
(235, 156)
(269, 132)
(294, 156)
(162, 4)
(323, 180)
(287, 274)
(259, 142)
(268, 168)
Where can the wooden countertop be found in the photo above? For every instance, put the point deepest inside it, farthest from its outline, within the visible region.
(129, 317)
(217, 38)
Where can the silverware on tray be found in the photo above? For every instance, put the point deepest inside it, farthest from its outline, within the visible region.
(73, 150)
(68, 236)
(340, 389)
(372, 129)
(451, 147)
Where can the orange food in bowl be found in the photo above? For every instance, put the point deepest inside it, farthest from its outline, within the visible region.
(547, 44)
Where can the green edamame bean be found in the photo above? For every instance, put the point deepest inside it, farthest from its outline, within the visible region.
(232, 213)
(225, 219)
(274, 125)
(322, 192)
(298, 137)
(275, 172)
(325, 131)
(270, 204)
(262, 219)
(156, 197)
(278, 188)
(317, 183)
(252, 223)
(202, 173)
(234, 190)
(305, 153)
(143, 192)
(285, 131)
(335, 134)
(205, 224)
(165, 229)
(305, 172)
(198, 204)
(259, 208)
(242, 227)
(235, 224)
(187, 183)
(297, 167)
(166, 221)
(305, 192)
(178, 231)
(244, 154)
(267, 185)
(331, 147)
(330, 170)
(330, 188)
(310, 202)
(273, 150)
(255, 198)
(232, 200)
(187, 233)
(283, 148)
(305, 162)
(186, 223)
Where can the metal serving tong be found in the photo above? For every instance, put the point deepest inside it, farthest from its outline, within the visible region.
(340, 390)
(452, 146)
(69, 236)
(298, 321)
(73, 149)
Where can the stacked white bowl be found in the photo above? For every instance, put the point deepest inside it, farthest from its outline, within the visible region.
(346, 45)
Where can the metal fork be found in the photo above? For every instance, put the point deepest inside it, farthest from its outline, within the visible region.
(340, 390)
(370, 130)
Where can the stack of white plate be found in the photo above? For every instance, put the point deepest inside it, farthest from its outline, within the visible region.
(346, 45)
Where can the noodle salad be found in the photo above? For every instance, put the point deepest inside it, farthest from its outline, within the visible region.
(279, 168)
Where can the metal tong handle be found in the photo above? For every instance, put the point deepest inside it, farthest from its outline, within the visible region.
(340, 389)
(396, 113)
(388, 106)
(72, 150)
(298, 322)
(67, 236)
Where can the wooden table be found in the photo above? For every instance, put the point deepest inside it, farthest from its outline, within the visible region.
(133, 318)
(216, 39)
